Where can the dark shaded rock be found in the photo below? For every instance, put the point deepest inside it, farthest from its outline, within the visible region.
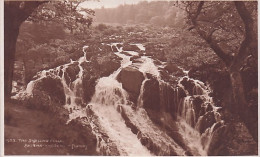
(181, 93)
(168, 99)
(151, 95)
(188, 85)
(52, 87)
(209, 108)
(84, 136)
(173, 80)
(174, 69)
(114, 49)
(127, 47)
(202, 111)
(106, 64)
(207, 121)
(88, 84)
(157, 62)
(131, 80)
(161, 57)
(72, 71)
(134, 58)
(119, 45)
(197, 102)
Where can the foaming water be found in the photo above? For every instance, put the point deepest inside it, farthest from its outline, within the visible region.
(142, 121)
(188, 124)
(192, 138)
(110, 99)
(149, 67)
(108, 96)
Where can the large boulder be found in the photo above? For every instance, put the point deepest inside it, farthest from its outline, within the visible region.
(51, 87)
(151, 95)
(131, 79)
(106, 64)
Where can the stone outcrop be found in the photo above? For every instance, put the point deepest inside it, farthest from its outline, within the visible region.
(151, 95)
(51, 89)
(131, 80)
(127, 47)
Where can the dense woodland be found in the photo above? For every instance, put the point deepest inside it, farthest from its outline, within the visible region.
(158, 13)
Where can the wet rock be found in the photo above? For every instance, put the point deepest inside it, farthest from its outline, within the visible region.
(127, 47)
(119, 45)
(114, 49)
(88, 83)
(174, 69)
(106, 64)
(131, 80)
(168, 77)
(209, 108)
(206, 121)
(151, 95)
(82, 135)
(168, 99)
(197, 102)
(202, 111)
(72, 72)
(181, 93)
(160, 56)
(128, 123)
(51, 87)
(188, 84)
(133, 59)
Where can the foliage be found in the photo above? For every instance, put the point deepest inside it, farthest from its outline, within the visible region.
(222, 26)
(65, 12)
(159, 13)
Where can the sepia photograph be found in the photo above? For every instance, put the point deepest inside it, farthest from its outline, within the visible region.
(130, 78)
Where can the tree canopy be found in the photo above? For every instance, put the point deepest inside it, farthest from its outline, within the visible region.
(158, 13)
(68, 13)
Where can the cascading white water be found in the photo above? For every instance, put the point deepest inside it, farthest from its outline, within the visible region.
(188, 125)
(110, 96)
(188, 112)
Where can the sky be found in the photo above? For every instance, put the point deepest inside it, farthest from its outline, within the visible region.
(93, 4)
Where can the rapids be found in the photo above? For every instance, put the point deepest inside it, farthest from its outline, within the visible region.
(110, 101)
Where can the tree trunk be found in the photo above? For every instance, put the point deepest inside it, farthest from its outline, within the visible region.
(15, 13)
(11, 31)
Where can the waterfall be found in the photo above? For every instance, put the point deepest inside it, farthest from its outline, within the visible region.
(189, 121)
(108, 97)
(188, 113)
(121, 128)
